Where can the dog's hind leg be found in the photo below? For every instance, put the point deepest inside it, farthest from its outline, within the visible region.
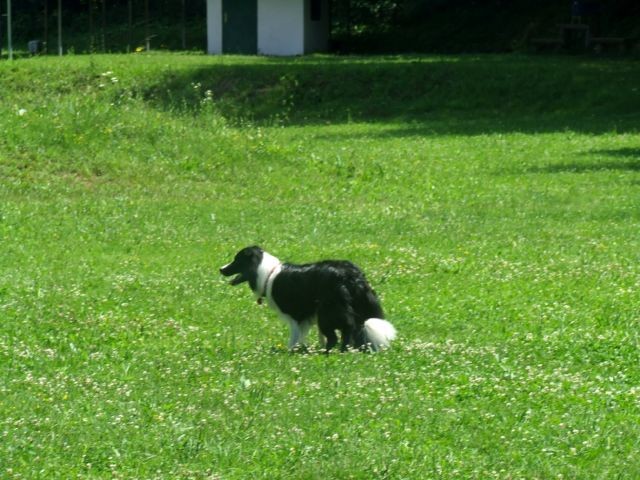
(358, 339)
(322, 340)
(347, 338)
(331, 338)
(330, 320)
(327, 325)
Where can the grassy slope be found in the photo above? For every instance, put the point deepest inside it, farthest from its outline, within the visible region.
(493, 202)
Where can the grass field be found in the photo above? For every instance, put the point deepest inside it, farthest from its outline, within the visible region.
(493, 201)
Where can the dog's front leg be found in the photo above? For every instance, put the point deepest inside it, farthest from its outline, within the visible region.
(298, 333)
(294, 335)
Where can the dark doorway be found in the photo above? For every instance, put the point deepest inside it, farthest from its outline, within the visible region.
(240, 26)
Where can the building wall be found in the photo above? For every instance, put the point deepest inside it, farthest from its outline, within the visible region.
(316, 33)
(284, 27)
(214, 26)
(281, 27)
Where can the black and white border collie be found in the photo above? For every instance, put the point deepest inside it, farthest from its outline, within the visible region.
(333, 293)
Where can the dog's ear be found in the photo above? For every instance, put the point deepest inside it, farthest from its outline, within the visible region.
(253, 254)
(254, 249)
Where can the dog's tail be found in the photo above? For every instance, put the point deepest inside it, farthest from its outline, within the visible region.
(379, 333)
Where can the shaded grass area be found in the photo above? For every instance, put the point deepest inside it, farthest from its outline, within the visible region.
(474, 94)
(501, 236)
(438, 94)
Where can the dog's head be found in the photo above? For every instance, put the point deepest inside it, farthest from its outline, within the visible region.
(244, 266)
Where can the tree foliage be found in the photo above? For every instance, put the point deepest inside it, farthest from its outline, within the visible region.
(357, 25)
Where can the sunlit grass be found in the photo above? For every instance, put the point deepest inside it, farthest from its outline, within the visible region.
(500, 235)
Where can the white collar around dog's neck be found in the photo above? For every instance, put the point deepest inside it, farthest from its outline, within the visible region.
(269, 266)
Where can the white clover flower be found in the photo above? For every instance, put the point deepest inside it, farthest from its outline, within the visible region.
(22, 112)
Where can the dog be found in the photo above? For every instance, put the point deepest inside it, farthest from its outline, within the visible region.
(332, 293)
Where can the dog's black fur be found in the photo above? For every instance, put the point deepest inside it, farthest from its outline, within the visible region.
(334, 292)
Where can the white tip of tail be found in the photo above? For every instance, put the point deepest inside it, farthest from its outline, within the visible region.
(379, 332)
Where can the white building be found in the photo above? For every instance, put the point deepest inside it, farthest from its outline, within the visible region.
(267, 27)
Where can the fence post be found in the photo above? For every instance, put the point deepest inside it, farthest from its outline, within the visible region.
(60, 27)
(9, 39)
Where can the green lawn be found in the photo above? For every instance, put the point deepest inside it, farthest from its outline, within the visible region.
(493, 201)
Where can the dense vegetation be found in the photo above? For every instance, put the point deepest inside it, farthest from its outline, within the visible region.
(369, 26)
(492, 201)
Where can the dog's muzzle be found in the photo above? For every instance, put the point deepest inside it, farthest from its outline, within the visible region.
(228, 270)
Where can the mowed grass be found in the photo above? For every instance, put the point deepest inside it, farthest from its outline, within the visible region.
(493, 202)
